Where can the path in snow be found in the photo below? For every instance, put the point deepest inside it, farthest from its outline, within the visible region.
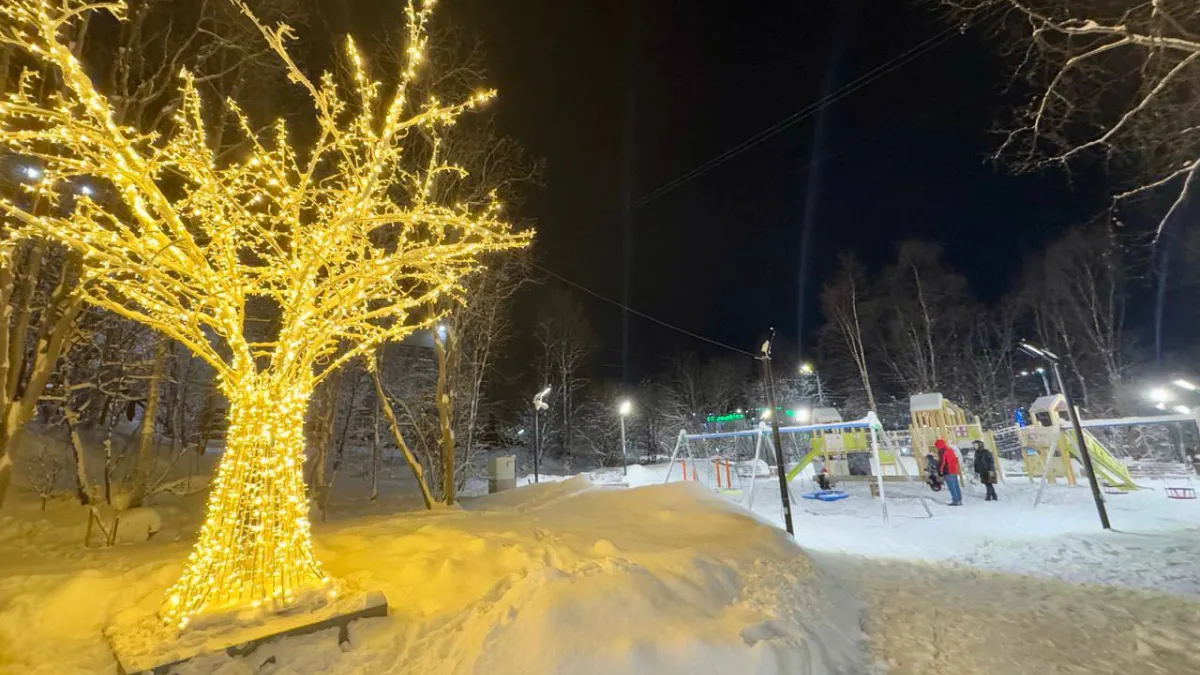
(926, 618)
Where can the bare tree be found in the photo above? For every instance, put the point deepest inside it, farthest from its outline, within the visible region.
(1075, 295)
(566, 340)
(988, 385)
(41, 465)
(925, 311)
(846, 306)
(693, 389)
(1115, 81)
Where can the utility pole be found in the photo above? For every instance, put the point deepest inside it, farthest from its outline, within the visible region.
(623, 410)
(538, 405)
(765, 357)
(1081, 442)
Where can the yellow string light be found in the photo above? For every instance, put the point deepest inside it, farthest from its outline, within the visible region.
(344, 238)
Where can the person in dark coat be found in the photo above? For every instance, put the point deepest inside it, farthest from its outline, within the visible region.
(985, 466)
(932, 477)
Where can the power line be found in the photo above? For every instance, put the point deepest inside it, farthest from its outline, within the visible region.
(866, 78)
(643, 315)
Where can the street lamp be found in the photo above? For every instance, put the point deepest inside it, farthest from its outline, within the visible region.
(807, 369)
(1185, 384)
(539, 404)
(623, 410)
(1160, 395)
(1039, 371)
(1052, 358)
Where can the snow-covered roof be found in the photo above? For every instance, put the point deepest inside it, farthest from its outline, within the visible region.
(1047, 403)
(925, 402)
(826, 416)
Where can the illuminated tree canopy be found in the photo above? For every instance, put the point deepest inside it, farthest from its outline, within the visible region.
(342, 241)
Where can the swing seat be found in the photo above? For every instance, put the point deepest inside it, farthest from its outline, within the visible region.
(1181, 493)
(826, 495)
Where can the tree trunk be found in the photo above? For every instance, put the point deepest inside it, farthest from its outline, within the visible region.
(376, 449)
(18, 407)
(143, 459)
(413, 464)
(6, 466)
(82, 491)
(255, 545)
(326, 413)
(445, 407)
(341, 449)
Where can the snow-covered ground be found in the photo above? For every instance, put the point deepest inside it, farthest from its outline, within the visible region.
(567, 577)
(558, 578)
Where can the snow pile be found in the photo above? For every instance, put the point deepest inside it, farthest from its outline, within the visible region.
(561, 577)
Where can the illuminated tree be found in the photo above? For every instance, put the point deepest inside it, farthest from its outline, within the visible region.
(339, 247)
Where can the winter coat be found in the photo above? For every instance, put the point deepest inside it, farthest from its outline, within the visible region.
(949, 463)
(985, 465)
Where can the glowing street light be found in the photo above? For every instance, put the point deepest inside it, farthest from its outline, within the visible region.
(86, 190)
(808, 370)
(1160, 395)
(31, 172)
(1185, 384)
(1042, 372)
(623, 410)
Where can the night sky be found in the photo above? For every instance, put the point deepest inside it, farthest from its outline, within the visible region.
(620, 97)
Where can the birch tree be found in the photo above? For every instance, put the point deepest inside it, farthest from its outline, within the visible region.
(846, 307)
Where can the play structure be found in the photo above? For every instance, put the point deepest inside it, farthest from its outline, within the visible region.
(828, 440)
(932, 416)
(1050, 447)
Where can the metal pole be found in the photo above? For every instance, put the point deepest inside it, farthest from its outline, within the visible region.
(781, 469)
(537, 442)
(820, 394)
(624, 456)
(1083, 450)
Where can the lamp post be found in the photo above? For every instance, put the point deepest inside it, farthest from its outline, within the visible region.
(623, 410)
(807, 369)
(1052, 358)
(765, 357)
(539, 404)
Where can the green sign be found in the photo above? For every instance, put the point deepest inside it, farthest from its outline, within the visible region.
(735, 417)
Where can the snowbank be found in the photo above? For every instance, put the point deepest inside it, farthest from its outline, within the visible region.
(561, 577)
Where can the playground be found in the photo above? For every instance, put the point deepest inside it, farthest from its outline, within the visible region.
(826, 457)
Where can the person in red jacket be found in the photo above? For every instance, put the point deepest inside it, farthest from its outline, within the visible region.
(948, 467)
